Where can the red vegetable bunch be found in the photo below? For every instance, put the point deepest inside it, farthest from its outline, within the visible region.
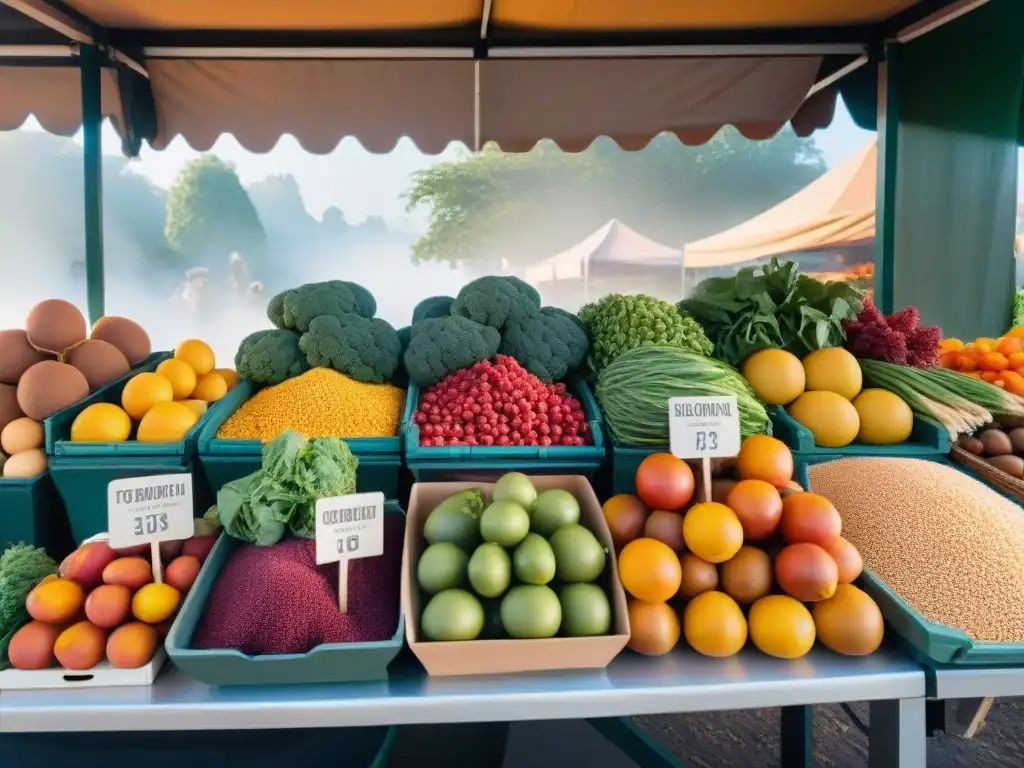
(897, 338)
(500, 403)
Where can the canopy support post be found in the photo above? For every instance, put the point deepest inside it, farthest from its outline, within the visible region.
(92, 153)
(885, 196)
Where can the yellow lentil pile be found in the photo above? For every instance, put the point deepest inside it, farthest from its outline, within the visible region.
(947, 544)
(319, 403)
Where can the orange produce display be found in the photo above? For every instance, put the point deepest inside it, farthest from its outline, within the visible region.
(664, 482)
(764, 561)
(998, 361)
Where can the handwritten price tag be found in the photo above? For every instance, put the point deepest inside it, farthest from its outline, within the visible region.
(704, 427)
(144, 510)
(349, 528)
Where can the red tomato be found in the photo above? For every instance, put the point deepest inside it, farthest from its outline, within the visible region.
(664, 482)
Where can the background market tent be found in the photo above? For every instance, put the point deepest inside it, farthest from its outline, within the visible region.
(836, 210)
(611, 249)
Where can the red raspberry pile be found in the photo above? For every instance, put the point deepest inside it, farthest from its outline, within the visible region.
(500, 403)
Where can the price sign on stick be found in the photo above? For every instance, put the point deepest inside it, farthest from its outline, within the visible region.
(148, 510)
(348, 528)
(704, 428)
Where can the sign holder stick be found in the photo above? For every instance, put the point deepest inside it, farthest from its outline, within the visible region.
(158, 567)
(705, 470)
(343, 585)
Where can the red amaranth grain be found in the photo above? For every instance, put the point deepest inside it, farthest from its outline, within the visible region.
(274, 600)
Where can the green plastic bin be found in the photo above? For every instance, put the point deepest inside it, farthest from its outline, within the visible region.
(330, 663)
(481, 463)
(380, 458)
(926, 439)
(925, 641)
(82, 471)
(31, 512)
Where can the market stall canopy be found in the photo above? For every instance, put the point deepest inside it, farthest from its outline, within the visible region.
(835, 210)
(509, 71)
(614, 243)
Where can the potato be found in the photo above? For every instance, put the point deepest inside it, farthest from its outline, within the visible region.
(1011, 465)
(31, 647)
(127, 335)
(108, 605)
(170, 550)
(132, 645)
(26, 464)
(971, 445)
(85, 565)
(55, 325)
(81, 646)
(1017, 438)
(48, 387)
(996, 442)
(182, 572)
(55, 601)
(16, 355)
(100, 362)
(21, 435)
(131, 572)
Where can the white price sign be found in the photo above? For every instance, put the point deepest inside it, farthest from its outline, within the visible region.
(704, 427)
(145, 510)
(349, 527)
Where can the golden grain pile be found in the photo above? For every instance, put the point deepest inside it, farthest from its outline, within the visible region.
(319, 403)
(947, 544)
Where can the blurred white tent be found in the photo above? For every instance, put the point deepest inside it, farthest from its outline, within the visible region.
(614, 247)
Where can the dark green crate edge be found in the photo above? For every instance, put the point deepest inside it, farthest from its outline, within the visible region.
(211, 445)
(494, 455)
(927, 438)
(32, 512)
(53, 425)
(232, 667)
(129, 449)
(927, 641)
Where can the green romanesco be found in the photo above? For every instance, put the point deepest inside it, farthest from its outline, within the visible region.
(495, 300)
(618, 323)
(442, 345)
(295, 308)
(270, 357)
(365, 350)
(550, 346)
(433, 306)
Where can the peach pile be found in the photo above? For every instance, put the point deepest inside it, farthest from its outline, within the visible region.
(105, 605)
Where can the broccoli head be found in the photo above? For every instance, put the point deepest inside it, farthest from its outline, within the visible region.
(365, 350)
(442, 345)
(433, 306)
(298, 306)
(270, 357)
(495, 300)
(550, 346)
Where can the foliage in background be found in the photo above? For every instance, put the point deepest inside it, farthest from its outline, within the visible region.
(523, 207)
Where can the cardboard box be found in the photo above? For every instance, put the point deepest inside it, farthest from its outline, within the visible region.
(481, 657)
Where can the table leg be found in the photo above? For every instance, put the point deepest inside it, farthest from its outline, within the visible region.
(897, 737)
(797, 741)
(630, 739)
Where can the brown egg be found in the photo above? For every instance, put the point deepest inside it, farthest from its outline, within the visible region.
(16, 355)
(49, 386)
(127, 335)
(99, 361)
(9, 408)
(54, 325)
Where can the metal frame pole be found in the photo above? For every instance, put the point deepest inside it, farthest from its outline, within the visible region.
(889, 84)
(92, 154)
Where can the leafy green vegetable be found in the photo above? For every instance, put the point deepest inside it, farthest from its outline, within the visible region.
(772, 306)
(618, 323)
(260, 507)
(21, 568)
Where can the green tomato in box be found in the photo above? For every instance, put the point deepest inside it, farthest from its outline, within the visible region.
(442, 566)
(534, 560)
(453, 614)
(504, 523)
(531, 612)
(585, 610)
(490, 570)
(553, 509)
(515, 486)
(579, 554)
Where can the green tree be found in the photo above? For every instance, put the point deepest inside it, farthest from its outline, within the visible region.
(210, 215)
(523, 207)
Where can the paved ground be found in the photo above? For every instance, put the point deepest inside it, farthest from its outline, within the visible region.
(750, 739)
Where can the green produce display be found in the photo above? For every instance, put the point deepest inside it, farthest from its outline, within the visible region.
(270, 357)
(618, 323)
(494, 300)
(21, 568)
(297, 307)
(440, 346)
(259, 508)
(635, 389)
(550, 346)
(365, 350)
(432, 306)
(512, 570)
(772, 306)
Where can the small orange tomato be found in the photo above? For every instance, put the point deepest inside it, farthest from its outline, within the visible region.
(968, 362)
(1016, 332)
(950, 345)
(990, 376)
(994, 361)
(984, 344)
(1016, 360)
(1013, 382)
(1008, 345)
(950, 360)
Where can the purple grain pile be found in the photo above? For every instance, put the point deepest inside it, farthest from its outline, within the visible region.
(274, 600)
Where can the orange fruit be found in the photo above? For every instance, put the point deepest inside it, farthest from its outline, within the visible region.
(210, 387)
(197, 354)
(625, 515)
(847, 558)
(808, 517)
(649, 570)
(230, 376)
(666, 527)
(747, 577)
(143, 391)
(181, 376)
(712, 531)
(765, 458)
(714, 625)
(806, 572)
(653, 628)
(664, 482)
(698, 576)
(166, 423)
(781, 627)
(849, 622)
(758, 505)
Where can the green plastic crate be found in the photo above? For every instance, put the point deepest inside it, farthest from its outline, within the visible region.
(380, 458)
(925, 641)
(82, 471)
(32, 512)
(486, 462)
(926, 439)
(330, 663)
